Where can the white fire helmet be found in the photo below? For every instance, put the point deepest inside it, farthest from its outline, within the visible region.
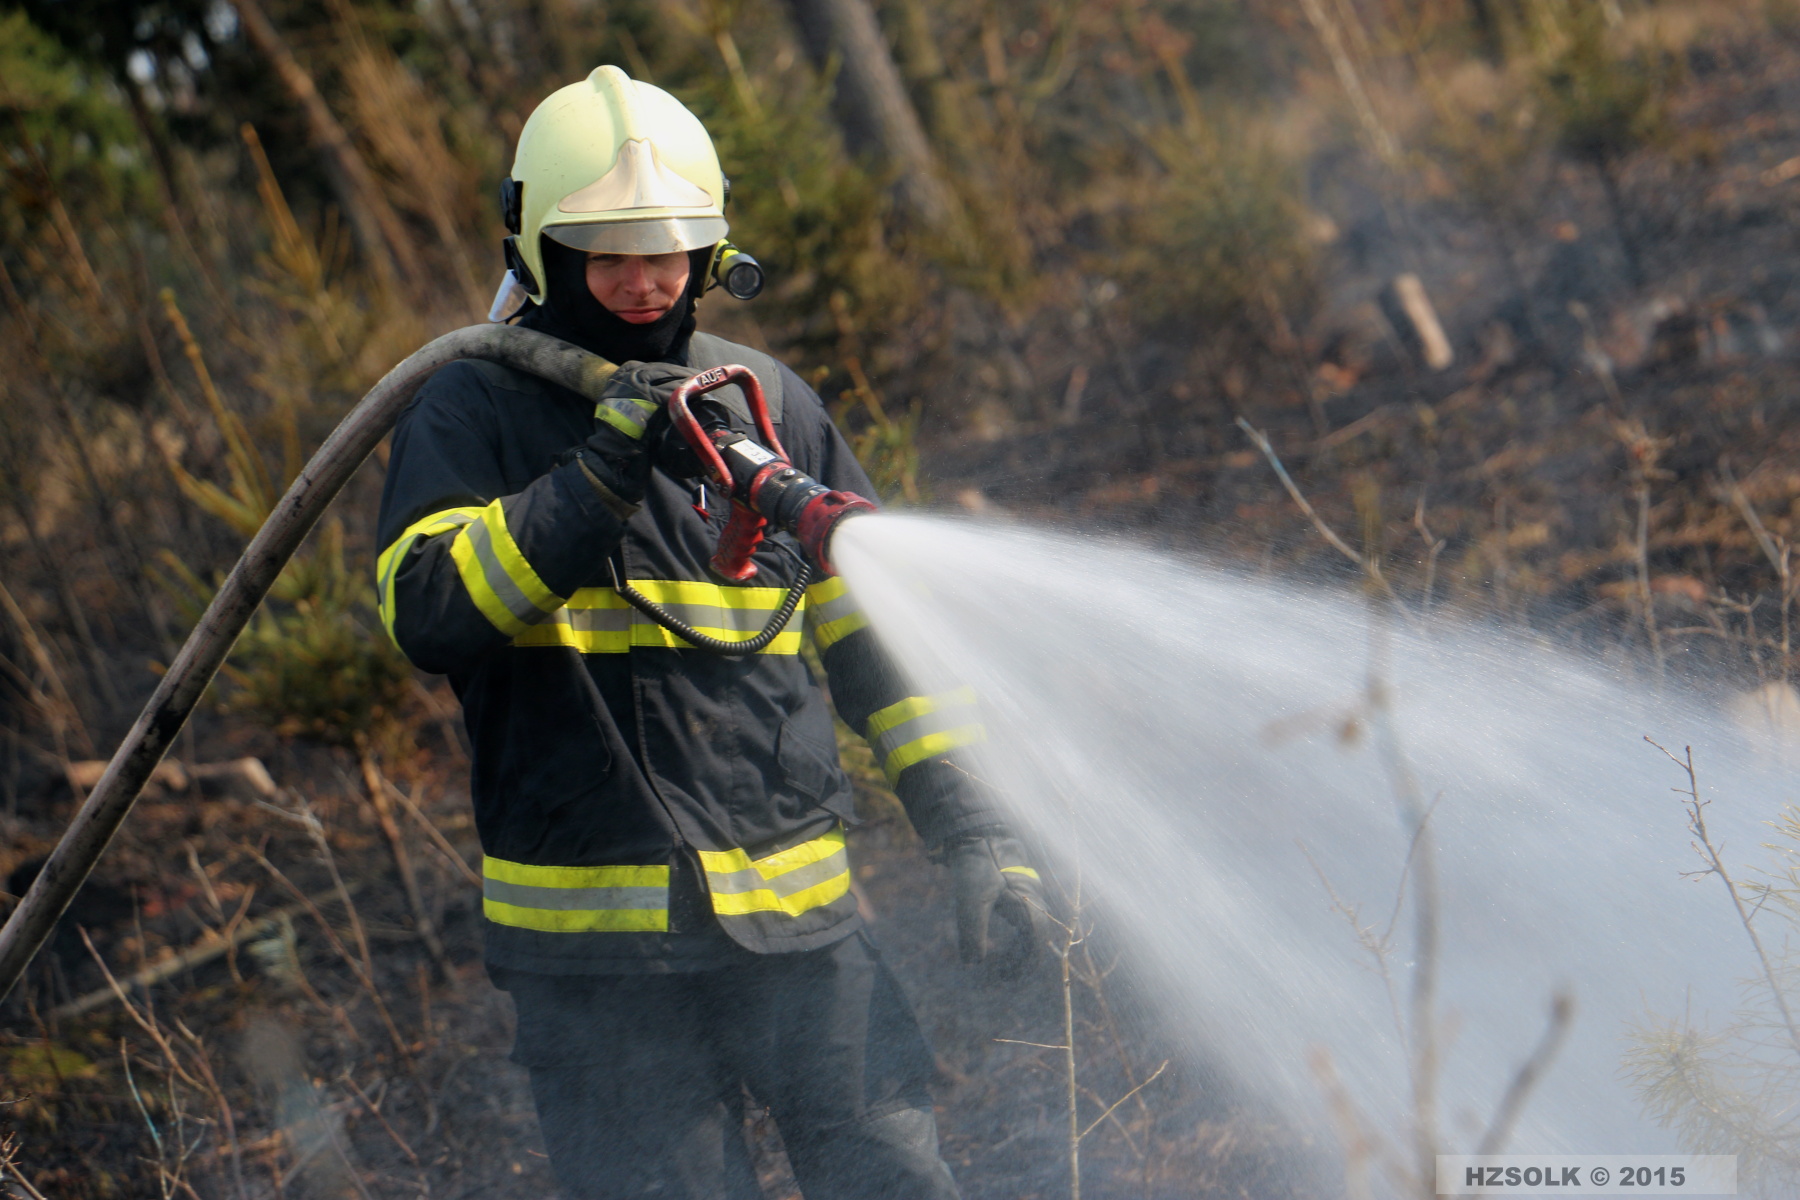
(611, 165)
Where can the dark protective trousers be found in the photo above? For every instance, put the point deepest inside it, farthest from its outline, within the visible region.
(639, 1079)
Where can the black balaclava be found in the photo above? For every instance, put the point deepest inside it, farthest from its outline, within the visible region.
(570, 312)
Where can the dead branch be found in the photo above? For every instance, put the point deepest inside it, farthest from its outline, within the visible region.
(377, 786)
(362, 968)
(1709, 853)
(1434, 546)
(138, 1018)
(9, 1167)
(1779, 554)
(437, 837)
(1114, 1106)
(1562, 1015)
(214, 945)
(1377, 946)
(40, 655)
(1369, 564)
(375, 1111)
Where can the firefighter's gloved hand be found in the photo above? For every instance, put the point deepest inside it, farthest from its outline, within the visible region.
(632, 408)
(993, 877)
(648, 384)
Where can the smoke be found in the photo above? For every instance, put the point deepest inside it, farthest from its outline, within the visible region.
(312, 1132)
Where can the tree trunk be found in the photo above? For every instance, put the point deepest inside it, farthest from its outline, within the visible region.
(150, 129)
(940, 100)
(179, 208)
(876, 114)
(1487, 30)
(378, 229)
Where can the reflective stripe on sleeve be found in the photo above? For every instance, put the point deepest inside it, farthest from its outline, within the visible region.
(920, 727)
(627, 414)
(832, 612)
(575, 899)
(387, 567)
(501, 583)
(808, 876)
(599, 621)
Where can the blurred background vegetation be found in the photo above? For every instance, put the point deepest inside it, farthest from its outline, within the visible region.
(1511, 286)
(1034, 254)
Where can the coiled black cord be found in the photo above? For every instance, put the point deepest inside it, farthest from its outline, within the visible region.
(713, 645)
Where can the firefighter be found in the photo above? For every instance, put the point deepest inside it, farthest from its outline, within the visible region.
(667, 888)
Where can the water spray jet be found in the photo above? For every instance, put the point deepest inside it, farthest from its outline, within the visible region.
(1237, 768)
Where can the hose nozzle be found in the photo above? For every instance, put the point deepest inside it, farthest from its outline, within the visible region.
(787, 497)
(820, 518)
(765, 488)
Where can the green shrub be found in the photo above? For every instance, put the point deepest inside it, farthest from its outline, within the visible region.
(1219, 239)
(319, 665)
(1606, 102)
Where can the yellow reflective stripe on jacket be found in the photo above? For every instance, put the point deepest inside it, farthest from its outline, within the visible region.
(833, 612)
(501, 583)
(808, 876)
(575, 899)
(599, 621)
(921, 727)
(387, 567)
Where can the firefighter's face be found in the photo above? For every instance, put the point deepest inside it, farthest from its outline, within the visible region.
(638, 288)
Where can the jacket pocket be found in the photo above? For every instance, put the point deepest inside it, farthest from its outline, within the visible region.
(810, 767)
(556, 761)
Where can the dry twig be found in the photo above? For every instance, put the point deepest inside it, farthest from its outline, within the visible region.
(203, 951)
(10, 1171)
(377, 786)
(438, 840)
(1434, 546)
(374, 1110)
(1562, 1015)
(362, 967)
(1780, 556)
(1711, 854)
(207, 1081)
(1370, 565)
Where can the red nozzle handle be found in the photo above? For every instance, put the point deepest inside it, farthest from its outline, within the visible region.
(689, 427)
(742, 535)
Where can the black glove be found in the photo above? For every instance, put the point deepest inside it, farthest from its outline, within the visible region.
(633, 406)
(992, 875)
(650, 384)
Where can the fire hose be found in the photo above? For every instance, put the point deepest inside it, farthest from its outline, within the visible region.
(771, 489)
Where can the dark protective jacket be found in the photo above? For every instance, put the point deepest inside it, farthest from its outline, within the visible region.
(643, 805)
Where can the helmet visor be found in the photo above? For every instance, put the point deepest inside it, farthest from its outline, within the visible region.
(658, 235)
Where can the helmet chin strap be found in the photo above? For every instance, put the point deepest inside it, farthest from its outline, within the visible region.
(570, 312)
